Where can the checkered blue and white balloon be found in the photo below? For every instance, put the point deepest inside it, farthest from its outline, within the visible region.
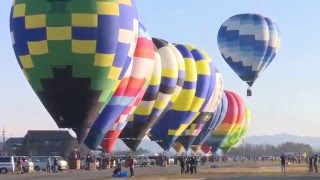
(248, 43)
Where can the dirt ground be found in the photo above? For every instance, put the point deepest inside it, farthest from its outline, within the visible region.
(229, 170)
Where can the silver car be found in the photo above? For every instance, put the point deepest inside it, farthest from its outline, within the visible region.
(7, 164)
(40, 162)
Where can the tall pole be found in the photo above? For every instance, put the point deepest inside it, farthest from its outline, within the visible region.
(3, 138)
(243, 148)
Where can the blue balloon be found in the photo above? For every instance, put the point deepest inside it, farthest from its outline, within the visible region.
(248, 43)
(213, 123)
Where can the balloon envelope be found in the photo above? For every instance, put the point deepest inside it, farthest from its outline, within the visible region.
(143, 64)
(213, 123)
(213, 97)
(154, 104)
(189, 101)
(72, 53)
(238, 135)
(235, 103)
(248, 43)
(206, 148)
(233, 135)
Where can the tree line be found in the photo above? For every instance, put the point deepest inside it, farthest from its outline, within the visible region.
(255, 150)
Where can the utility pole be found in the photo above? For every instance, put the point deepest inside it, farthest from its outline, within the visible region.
(243, 147)
(3, 138)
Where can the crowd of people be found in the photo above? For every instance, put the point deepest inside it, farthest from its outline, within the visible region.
(52, 165)
(188, 164)
(312, 161)
(106, 162)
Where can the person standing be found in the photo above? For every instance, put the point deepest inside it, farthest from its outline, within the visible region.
(187, 165)
(131, 165)
(315, 163)
(283, 163)
(49, 164)
(310, 164)
(100, 163)
(193, 165)
(20, 165)
(55, 165)
(182, 164)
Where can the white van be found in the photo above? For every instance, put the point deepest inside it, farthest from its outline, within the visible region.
(7, 164)
(40, 162)
(142, 160)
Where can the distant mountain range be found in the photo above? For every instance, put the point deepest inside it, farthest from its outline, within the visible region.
(278, 139)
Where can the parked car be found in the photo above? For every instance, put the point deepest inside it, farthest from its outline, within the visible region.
(143, 160)
(40, 162)
(7, 164)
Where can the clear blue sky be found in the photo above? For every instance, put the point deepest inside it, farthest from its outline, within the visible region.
(285, 98)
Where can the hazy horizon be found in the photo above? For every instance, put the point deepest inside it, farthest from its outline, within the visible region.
(284, 98)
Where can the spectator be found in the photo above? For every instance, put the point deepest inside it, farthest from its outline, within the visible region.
(20, 165)
(187, 165)
(118, 168)
(315, 163)
(55, 165)
(182, 164)
(49, 164)
(193, 165)
(283, 163)
(310, 164)
(132, 161)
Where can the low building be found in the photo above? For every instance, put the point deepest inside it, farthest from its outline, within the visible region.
(41, 143)
(13, 145)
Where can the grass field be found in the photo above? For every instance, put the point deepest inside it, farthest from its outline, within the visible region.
(246, 170)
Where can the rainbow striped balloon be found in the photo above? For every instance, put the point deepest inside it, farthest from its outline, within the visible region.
(144, 50)
(233, 118)
(131, 85)
(172, 74)
(238, 135)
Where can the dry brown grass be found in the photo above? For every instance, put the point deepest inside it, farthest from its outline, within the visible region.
(241, 171)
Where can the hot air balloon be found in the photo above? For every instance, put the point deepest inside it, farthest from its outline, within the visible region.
(148, 112)
(229, 139)
(213, 100)
(178, 148)
(127, 92)
(213, 123)
(248, 43)
(234, 114)
(205, 148)
(190, 100)
(238, 134)
(72, 53)
(144, 53)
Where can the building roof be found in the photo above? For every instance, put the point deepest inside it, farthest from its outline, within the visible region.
(48, 135)
(18, 141)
